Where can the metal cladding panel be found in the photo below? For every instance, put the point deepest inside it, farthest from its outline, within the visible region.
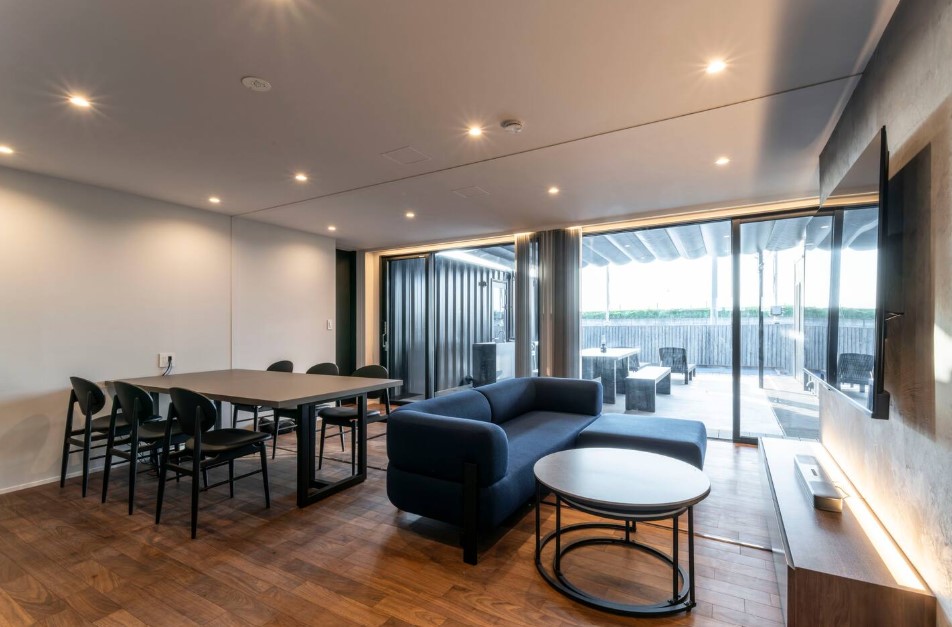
(462, 297)
(407, 319)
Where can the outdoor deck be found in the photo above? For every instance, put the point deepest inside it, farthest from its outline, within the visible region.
(781, 409)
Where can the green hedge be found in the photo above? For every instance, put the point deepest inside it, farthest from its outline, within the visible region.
(747, 312)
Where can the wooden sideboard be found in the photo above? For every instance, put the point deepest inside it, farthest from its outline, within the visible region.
(839, 569)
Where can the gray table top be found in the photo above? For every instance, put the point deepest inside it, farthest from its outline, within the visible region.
(271, 389)
(610, 353)
(623, 480)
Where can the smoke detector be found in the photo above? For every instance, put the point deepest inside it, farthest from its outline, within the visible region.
(513, 127)
(256, 84)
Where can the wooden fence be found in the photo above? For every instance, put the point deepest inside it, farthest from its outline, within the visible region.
(710, 344)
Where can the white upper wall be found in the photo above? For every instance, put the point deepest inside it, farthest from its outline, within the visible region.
(95, 283)
(284, 294)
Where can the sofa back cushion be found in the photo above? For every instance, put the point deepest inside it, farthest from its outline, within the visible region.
(465, 404)
(573, 396)
(509, 398)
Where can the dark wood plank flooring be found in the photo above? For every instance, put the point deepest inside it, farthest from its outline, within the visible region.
(351, 559)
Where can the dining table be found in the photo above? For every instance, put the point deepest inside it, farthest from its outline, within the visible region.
(612, 366)
(282, 390)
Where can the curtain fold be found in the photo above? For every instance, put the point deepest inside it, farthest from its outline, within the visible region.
(559, 262)
(523, 303)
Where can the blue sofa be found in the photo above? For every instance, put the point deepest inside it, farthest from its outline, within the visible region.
(467, 458)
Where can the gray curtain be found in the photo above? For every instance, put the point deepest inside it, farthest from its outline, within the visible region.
(559, 262)
(524, 305)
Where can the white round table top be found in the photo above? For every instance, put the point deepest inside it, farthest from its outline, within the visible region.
(622, 479)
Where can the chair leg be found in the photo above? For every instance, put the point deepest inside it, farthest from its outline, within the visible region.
(320, 455)
(205, 477)
(274, 439)
(255, 424)
(110, 442)
(66, 447)
(195, 472)
(234, 416)
(264, 476)
(341, 433)
(162, 469)
(133, 462)
(87, 441)
(231, 478)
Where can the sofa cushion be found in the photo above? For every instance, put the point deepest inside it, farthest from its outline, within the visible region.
(532, 436)
(509, 398)
(682, 439)
(576, 396)
(464, 404)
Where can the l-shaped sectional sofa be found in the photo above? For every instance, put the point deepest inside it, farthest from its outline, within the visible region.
(467, 458)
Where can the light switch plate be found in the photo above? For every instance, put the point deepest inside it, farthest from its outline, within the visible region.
(330, 325)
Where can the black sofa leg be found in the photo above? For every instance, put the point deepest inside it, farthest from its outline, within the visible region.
(470, 512)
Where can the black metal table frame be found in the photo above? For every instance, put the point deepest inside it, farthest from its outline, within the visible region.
(682, 583)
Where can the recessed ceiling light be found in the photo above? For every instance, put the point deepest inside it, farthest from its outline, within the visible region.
(553, 190)
(332, 228)
(79, 101)
(301, 177)
(214, 200)
(410, 214)
(475, 131)
(716, 66)
(6, 150)
(722, 161)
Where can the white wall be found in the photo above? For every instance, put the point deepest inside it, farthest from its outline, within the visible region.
(284, 289)
(95, 283)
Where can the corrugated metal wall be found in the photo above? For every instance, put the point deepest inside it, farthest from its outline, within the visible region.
(407, 356)
(462, 294)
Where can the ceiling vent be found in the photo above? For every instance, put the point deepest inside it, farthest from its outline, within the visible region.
(406, 155)
(513, 127)
(471, 192)
(256, 84)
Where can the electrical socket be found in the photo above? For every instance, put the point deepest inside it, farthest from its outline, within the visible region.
(164, 359)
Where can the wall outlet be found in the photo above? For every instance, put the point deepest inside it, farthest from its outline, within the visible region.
(164, 359)
(330, 325)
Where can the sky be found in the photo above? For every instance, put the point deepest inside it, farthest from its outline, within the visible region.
(686, 283)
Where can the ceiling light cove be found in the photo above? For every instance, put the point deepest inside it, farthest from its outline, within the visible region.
(332, 228)
(6, 150)
(716, 66)
(554, 190)
(300, 177)
(215, 200)
(722, 161)
(79, 101)
(475, 131)
(410, 215)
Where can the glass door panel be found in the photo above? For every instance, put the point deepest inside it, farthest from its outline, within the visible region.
(781, 304)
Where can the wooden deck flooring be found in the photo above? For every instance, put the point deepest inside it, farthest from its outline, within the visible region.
(351, 559)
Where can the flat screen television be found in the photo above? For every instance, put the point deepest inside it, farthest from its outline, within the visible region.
(865, 186)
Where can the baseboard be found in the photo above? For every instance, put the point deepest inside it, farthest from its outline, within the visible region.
(53, 479)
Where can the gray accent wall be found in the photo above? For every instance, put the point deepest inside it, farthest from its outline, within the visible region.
(903, 466)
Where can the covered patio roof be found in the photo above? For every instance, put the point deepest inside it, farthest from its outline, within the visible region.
(692, 241)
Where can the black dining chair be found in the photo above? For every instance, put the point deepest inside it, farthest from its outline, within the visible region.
(94, 431)
(146, 434)
(286, 419)
(345, 415)
(206, 448)
(278, 366)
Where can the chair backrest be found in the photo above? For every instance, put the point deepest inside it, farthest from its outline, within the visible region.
(373, 371)
(674, 358)
(324, 368)
(90, 396)
(194, 411)
(135, 402)
(281, 366)
(856, 366)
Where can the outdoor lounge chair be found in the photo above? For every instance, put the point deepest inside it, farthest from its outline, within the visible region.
(677, 360)
(855, 368)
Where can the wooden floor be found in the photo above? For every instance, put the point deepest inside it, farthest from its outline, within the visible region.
(351, 559)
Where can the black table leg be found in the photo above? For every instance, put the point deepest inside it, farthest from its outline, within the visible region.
(310, 489)
(305, 452)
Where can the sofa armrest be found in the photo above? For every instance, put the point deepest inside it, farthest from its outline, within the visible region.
(574, 396)
(438, 446)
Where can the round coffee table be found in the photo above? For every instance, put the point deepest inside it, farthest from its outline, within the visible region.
(627, 486)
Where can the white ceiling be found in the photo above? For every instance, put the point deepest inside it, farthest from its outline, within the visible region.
(619, 111)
